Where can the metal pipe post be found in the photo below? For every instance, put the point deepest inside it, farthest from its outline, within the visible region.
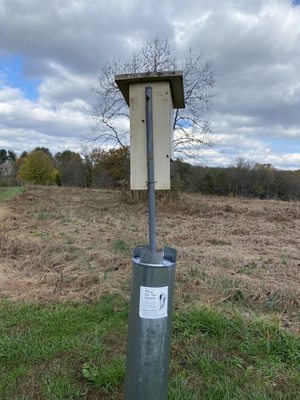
(149, 325)
(150, 168)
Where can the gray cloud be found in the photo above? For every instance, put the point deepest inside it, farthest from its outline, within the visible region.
(255, 46)
(77, 34)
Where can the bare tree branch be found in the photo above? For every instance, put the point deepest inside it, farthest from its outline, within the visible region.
(191, 131)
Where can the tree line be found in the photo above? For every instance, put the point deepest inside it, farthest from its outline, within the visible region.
(99, 168)
(244, 178)
(111, 168)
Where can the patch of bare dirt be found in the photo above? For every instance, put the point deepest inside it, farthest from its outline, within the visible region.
(72, 244)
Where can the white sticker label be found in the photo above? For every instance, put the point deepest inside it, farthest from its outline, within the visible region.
(153, 302)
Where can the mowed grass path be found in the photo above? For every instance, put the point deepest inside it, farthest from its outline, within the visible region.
(7, 193)
(77, 351)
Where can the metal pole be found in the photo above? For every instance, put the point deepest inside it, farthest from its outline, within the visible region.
(150, 168)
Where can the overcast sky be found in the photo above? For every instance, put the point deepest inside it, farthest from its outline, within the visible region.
(51, 53)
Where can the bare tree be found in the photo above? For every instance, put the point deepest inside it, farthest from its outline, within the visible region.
(190, 127)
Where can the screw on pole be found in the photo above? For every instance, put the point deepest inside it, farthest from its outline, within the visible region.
(150, 170)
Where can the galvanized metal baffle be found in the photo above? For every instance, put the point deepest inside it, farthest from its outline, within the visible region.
(150, 314)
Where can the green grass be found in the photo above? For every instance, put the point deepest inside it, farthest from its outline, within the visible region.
(77, 351)
(43, 349)
(224, 357)
(6, 193)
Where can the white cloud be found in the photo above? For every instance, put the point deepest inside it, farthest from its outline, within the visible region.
(25, 124)
(64, 85)
(20, 113)
(9, 94)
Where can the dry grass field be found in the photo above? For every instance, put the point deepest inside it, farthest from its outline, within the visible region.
(60, 244)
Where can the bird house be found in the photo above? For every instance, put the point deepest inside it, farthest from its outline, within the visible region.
(167, 94)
